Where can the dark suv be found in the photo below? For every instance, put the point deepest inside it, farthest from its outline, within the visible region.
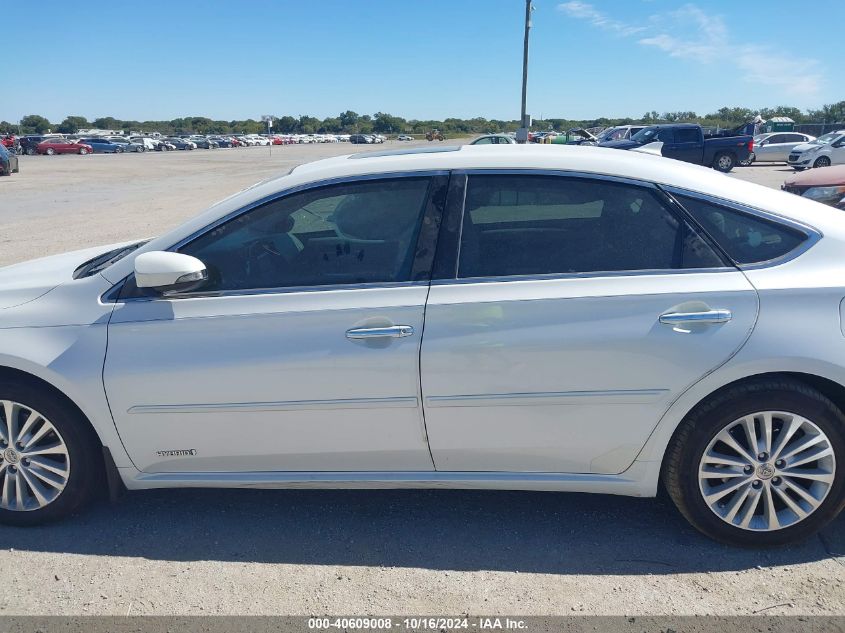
(29, 143)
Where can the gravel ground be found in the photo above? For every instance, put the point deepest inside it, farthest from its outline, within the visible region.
(195, 552)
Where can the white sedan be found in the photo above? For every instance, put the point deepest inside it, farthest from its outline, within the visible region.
(480, 317)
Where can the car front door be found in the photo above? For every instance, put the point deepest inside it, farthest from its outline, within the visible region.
(300, 353)
(774, 149)
(577, 311)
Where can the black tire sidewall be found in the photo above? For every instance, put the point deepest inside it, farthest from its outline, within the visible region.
(82, 449)
(719, 157)
(816, 409)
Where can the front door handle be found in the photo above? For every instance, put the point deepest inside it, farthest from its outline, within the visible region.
(707, 316)
(394, 331)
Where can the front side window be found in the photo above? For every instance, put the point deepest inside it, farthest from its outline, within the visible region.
(529, 225)
(746, 238)
(360, 232)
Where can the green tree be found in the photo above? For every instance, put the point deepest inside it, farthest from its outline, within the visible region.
(72, 124)
(34, 124)
(107, 123)
(349, 120)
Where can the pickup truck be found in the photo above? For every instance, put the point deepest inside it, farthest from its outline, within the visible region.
(686, 142)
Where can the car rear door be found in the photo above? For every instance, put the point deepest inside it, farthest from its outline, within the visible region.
(301, 353)
(577, 310)
(686, 144)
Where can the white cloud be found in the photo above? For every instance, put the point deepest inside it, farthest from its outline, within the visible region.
(586, 11)
(693, 34)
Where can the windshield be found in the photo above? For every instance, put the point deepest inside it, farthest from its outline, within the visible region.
(101, 262)
(645, 135)
(827, 139)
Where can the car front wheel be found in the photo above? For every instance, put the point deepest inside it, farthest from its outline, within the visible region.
(48, 457)
(757, 465)
(822, 161)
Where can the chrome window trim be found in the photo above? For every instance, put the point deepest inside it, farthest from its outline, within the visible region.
(283, 290)
(529, 171)
(112, 295)
(812, 235)
(590, 275)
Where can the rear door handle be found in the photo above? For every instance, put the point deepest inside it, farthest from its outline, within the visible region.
(394, 331)
(708, 316)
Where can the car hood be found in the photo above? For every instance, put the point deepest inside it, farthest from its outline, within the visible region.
(621, 144)
(823, 177)
(803, 147)
(27, 281)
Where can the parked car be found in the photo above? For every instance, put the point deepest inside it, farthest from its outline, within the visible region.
(52, 146)
(404, 137)
(146, 142)
(686, 142)
(723, 378)
(128, 146)
(360, 138)
(103, 145)
(618, 133)
(221, 141)
(826, 150)
(29, 143)
(494, 139)
(245, 140)
(775, 147)
(822, 185)
(8, 161)
(202, 142)
(181, 143)
(9, 141)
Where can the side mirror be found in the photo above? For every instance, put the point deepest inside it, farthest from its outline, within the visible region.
(169, 272)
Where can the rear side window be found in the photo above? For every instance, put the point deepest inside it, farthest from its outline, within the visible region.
(747, 239)
(686, 135)
(529, 225)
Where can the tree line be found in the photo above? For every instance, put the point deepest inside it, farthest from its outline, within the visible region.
(350, 122)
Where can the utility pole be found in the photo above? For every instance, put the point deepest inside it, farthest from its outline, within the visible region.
(524, 123)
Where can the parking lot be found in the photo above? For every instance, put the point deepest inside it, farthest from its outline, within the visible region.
(303, 552)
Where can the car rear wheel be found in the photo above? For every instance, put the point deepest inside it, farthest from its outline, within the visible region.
(30, 151)
(48, 458)
(50, 151)
(724, 162)
(748, 161)
(822, 161)
(757, 465)
(83, 151)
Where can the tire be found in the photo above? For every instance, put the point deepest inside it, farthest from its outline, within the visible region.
(83, 151)
(724, 162)
(84, 461)
(697, 434)
(49, 151)
(141, 149)
(748, 161)
(30, 151)
(822, 161)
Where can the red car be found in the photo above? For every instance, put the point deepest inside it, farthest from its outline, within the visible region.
(52, 146)
(9, 141)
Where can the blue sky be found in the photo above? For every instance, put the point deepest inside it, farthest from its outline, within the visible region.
(416, 58)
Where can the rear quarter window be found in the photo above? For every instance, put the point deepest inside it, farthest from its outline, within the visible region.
(746, 238)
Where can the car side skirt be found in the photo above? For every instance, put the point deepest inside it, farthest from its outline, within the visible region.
(640, 480)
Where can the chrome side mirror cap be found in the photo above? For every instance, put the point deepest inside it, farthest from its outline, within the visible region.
(169, 272)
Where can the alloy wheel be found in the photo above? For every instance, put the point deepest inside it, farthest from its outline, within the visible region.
(34, 459)
(767, 471)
